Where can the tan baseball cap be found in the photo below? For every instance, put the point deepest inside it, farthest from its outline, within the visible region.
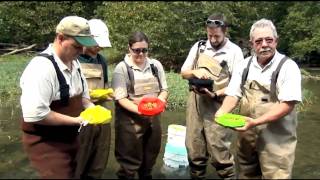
(78, 28)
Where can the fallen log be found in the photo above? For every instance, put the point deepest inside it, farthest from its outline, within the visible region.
(19, 50)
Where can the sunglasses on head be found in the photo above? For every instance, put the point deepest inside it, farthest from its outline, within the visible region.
(139, 50)
(215, 22)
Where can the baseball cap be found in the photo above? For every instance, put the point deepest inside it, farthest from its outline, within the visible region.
(78, 28)
(100, 32)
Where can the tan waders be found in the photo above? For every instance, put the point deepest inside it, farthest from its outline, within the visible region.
(266, 151)
(52, 149)
(207, 141)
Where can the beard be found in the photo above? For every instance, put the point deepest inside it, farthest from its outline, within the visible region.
(219, 45)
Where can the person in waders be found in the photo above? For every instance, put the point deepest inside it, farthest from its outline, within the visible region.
(95, 140)
(54, 93)
(268, 87)
(137, 136)
(208, 68)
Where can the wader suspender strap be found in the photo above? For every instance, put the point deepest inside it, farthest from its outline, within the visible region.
(245, 75)
(274, 78)
(130, 75)
(200, 43)
(64, 87)
(104, 68)
(154, 70)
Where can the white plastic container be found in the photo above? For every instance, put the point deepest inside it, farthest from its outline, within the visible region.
(175, 155)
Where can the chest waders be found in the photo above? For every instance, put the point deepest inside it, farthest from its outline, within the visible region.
(94, 140)
(137, 138)
(52, 149)
(205, 139)
(265, 151)
(94, 75)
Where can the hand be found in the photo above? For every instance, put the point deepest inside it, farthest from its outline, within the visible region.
(209, 93)
(249, 124)
(219, 113)
(163, 100)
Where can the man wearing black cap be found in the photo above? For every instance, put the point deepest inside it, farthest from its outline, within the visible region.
(209, 63)
(54, 92)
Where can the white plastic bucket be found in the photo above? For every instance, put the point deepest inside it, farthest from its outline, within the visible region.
(175, 155)
(176, 135)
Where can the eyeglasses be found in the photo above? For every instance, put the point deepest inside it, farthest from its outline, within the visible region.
(139, 50)
(215, 22)
(268, 40)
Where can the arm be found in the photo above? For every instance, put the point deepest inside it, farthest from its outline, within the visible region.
(56, 119)
(129, 105)
(163, 96)
(187, 74)
(228, 104)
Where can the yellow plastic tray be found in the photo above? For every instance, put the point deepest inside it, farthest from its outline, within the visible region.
(97, 115)
(101, 93)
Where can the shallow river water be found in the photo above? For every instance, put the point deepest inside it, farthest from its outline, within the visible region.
(14, 164)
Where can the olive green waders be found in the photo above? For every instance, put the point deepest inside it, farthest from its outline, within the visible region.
(266, 151)
(206, 140)
(94, 140)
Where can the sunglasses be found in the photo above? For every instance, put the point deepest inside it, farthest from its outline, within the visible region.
(139, 50)
(268, 40)
(215, 22)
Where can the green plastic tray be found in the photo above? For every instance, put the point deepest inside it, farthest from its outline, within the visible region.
(231, 120)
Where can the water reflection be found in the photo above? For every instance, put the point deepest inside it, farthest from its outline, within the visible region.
(14, 164)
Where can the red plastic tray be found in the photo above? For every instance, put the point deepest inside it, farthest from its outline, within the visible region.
(151, 106)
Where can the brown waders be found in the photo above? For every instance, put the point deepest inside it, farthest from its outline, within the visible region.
(206, 140)
(52, 149)
(93, 153)
(266, 151)
(137, 137)
(137, 143)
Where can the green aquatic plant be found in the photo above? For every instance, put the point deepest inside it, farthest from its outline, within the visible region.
(308, 99)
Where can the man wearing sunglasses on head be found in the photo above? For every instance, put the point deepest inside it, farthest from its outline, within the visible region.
(208, 68)
(267, 87)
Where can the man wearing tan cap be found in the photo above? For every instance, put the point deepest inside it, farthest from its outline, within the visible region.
(95, 140)
(54, 92)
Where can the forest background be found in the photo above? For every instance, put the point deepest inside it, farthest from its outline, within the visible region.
(173, 27)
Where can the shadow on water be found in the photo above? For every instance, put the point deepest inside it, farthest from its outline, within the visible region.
(15, 165)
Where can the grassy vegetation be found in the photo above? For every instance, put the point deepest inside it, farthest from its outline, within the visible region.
(12, 66)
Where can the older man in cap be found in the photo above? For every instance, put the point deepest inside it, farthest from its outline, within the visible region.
(208, 68)
(54, 92)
